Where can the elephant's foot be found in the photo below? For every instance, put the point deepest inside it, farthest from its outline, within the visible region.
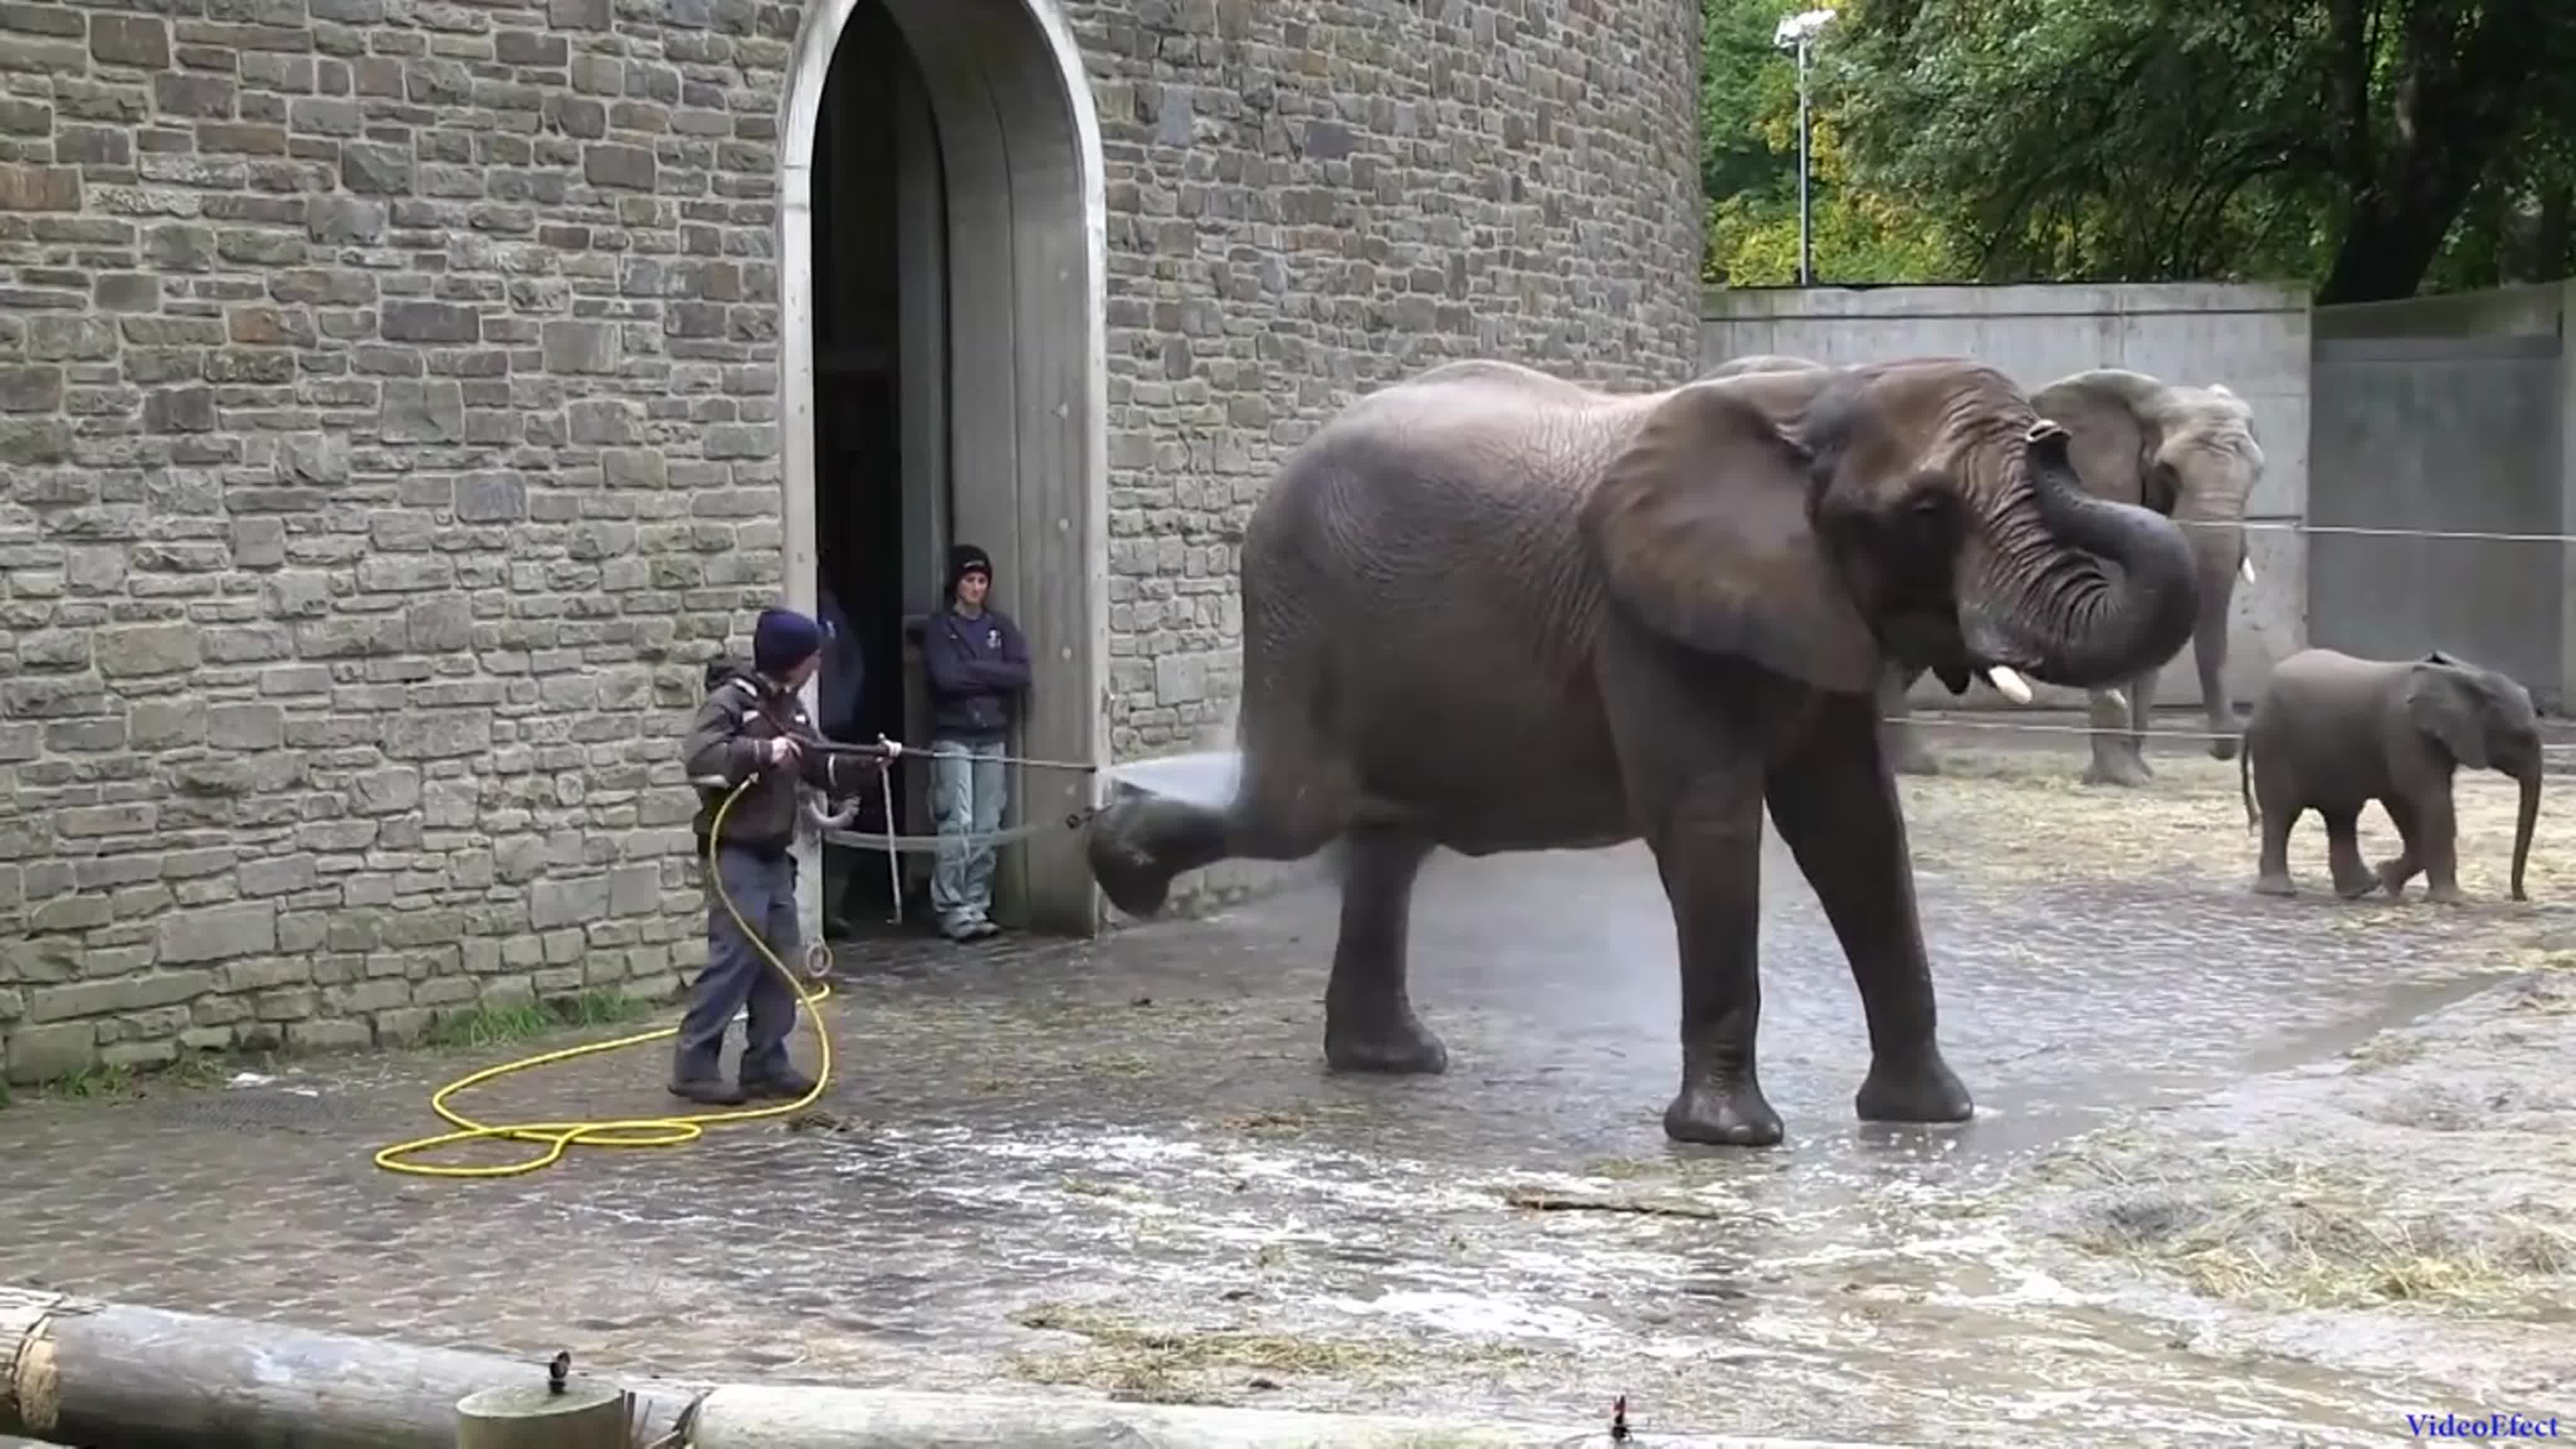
(2445, 895)
(2353, 887)
(2274, 885)
(1397, 1045)
(1920, 1088)
(2392, 875)
(1127, 871)
(1723, 1114)
(2223, 747)
(2125, 768)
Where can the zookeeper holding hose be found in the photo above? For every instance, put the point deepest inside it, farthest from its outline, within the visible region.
(753, 723)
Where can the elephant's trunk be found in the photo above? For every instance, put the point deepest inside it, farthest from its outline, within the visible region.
(2524, 819)
(2217, 553)
(2076, 590)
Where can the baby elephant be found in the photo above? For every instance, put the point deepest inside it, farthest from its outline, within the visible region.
(2333, 733)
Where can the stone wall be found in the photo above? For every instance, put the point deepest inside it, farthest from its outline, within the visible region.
(387, 401)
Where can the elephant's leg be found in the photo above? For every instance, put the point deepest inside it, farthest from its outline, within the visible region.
(1708, 849)
(2438, 840)
(2209, 658)
(2142, 718)
(1902, 742)
(1835, 802)
(1369, 1024)
(2400, 868)
(1138, 845)
(2117, 759)
(2352, 879)
(1689, 732)
(2281, 808)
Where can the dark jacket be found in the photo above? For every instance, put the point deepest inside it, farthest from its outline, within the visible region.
(837, 683)
(978, 666)
(729, 739)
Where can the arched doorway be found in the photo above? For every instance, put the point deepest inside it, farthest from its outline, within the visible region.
(941, 284)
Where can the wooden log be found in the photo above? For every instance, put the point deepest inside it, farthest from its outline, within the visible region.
(81, 1373)
(91, 1375)
(583, 1415)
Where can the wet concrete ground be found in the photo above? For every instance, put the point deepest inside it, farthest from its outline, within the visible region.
(1118, 1166)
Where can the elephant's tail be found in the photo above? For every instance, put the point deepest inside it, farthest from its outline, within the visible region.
(2245, 785)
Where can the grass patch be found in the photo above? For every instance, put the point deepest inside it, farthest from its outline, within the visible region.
(2289, 1231)
(117, 1081)
(1131, 1361)
(495, 1023)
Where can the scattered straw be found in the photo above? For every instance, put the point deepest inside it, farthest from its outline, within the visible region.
(2026, 813)
(2294, 1230)
(1131, 1361)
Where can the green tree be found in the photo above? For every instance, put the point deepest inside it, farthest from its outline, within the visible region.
(2365, 145)
(1749, 169)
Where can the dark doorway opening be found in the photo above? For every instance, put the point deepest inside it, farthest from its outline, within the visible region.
(881, 489)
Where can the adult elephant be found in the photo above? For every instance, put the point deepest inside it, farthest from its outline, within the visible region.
(2189, 453)
(1491, 610)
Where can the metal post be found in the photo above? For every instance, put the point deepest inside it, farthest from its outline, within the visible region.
(1806, 249)
(1797, 30)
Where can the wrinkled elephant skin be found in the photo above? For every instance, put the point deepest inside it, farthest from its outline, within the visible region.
(1490, 610)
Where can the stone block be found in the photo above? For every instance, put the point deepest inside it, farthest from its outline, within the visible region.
(141, 41)
(139, 650)
(554, 903)
(217, 933)
(104, 998)
(45, 1053)
(328, 1036)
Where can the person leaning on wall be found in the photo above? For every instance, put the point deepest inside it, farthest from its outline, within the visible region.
(979, 670)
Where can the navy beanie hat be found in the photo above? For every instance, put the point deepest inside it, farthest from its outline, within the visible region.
(782, 640)
(966, 558)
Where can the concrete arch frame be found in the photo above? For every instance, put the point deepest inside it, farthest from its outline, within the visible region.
(1026, 347)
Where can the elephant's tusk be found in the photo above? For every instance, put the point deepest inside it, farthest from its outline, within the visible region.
(2118, 700)
(2008, 684)
(2245, 567)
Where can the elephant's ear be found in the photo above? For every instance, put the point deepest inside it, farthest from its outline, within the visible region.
(2115, 451)
(2443, 702)
(1702, 527)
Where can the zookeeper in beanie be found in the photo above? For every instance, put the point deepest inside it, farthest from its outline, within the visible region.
(753, 723)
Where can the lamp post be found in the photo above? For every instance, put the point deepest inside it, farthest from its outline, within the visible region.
(1795, 32)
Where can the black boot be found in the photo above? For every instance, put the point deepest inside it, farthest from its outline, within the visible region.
(709, 1091)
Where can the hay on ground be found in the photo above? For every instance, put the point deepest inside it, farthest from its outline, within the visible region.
(1177, 1365)
(2292, 1230)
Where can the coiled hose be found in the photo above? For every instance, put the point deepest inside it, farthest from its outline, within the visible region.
(561, 1137)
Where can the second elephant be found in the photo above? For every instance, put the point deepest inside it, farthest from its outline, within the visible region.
(2190, 453)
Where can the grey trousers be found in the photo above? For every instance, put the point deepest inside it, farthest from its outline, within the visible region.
(764, 890)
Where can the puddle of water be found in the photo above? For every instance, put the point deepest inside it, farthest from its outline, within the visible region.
(2398, 1006)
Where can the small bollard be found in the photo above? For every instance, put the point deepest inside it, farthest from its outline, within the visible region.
(578, 1415)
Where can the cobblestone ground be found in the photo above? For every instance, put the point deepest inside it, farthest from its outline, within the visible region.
(1117, 1166)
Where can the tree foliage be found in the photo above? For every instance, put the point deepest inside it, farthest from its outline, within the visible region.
(2369, 147)
(1749, 170)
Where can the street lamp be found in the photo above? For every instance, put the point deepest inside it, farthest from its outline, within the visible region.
(1795, 32)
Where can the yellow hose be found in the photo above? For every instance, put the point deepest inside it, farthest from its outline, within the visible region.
(560, 1137)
